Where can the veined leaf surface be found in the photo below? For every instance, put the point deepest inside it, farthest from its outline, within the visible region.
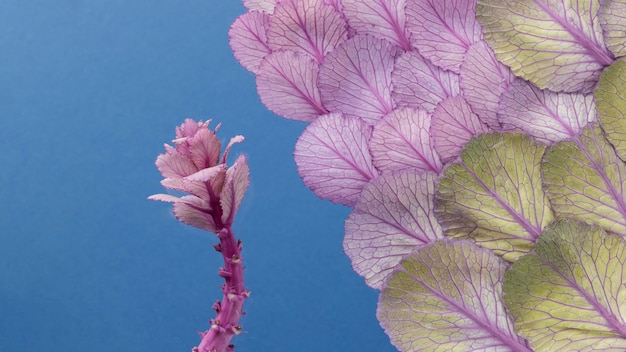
(611, 100)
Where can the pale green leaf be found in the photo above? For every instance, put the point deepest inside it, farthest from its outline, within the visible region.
(613, 21)
(447, 297)
(569, 294)
(494, 196)
(585, 180)
(611, 102)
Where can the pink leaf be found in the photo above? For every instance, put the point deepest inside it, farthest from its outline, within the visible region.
(235, 186)
(333, 159)
(356, 78)
(194, 211)
(175, 165)
(543, 114)
(381, 18)
(260, 5)
(287, 85)
(419, 83)
(401, 140)
(483, 79)
(443, 30)
(248, 39)
(204, 148)
(454, 124)
(308, 26)
(393, 216)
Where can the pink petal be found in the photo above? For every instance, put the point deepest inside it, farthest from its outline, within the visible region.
(204, 148)
(546, 115)
(443, 30)
(193, 211)
(483, 79)
(333, 159)
(287, 85)
(401, 140)
(235, 186)
(308, 26)
(175, 165)
(454, 124)
(356, 78)
(393, 216)
(260, 5)
(248, 39)
(384, 19)
(419, 83)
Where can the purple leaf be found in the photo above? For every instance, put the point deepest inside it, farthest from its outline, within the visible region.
(287, 85)
(381, 18)
(419, 83)
(543, 114)
(483, 79)
(401, 140)
(235, 186)
(454, 124)
(393, 216)
(355, 78)
(260, 5)
(248, 39)
(308, 26)
(443, 30)
(333, 159)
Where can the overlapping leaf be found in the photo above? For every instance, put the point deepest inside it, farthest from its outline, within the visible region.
(443, 30)
(235, 186)
(260, 5)
(393, 216)
(402, 140)
(356, 78)
(585, 179)
(248, 39)
(333, 158)
(611, 100)
(543, 114)
(569, 294)
(447, 297)
(613, 20)
(494, 196)
(381, 18)
(554, 44)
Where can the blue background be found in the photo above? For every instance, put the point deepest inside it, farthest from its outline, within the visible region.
(90, 91)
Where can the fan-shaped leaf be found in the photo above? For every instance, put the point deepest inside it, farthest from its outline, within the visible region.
(287, 85)
(443, 30)
(260, 5)
(394, 215)
(613, 20)
(454, 124)
(235, 186)
(568, 294)
(356, 78)
(483, 79)
(401, 140)
(333, 159)
(447, 297)
(419, 83)
(248, 39)
(611, 100)
(493, 196)
(543, 114)
(308, 26)
(585, 179)
(554, 44)
(381, 18)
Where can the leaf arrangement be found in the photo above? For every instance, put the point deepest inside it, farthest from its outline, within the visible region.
(482, 146)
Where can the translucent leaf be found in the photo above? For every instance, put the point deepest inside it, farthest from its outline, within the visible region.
(454, 124)
(419, 83)
(585, 179)
(494, 196)
(443, 30)
(401, 140)
(260, 5)
(333, 159)
(194, 211)
(611, 100)
(554, 44)
(248, 39)
(543, 114)
(568, 294)
(308, 26)
(613, 20)
(356, 78)
(483, 79)
(394, 215)
(447, 297)
(287, 85)
(381, 18)
(235, 186)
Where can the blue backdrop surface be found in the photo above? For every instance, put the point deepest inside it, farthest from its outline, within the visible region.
(90, 92)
